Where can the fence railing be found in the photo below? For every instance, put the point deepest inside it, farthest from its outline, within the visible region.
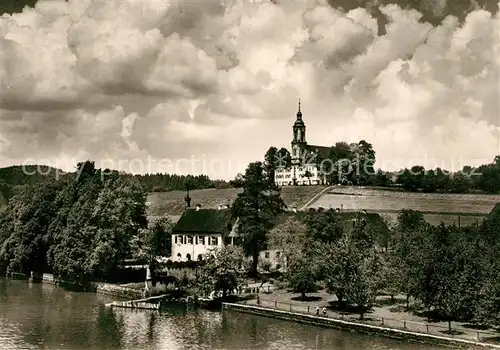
(412, 326)
(259, 289)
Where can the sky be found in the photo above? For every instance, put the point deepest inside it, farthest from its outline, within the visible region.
(208, 86)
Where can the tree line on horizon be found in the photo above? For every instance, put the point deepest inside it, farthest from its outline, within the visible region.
(14, 178)
(346, 164)
(354, 164)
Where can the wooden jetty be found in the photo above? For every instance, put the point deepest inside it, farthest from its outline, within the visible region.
(152, 303)
(134, 305)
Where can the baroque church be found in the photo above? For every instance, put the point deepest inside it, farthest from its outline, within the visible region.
(304, 169)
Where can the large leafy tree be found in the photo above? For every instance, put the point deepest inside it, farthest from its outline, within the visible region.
(119, 214)
(99, 214)
(487, 305)
(257, 208)
(284, 158)
(489, 180)
(339, 263)
(487, 309)
(301, 273)
(269, 165)
(26, 228)
(323, 225)
(152, 242)
(223, 270)
(289, 236)
(363, 160)
(342, 257)
(365, 281)
(408, 249)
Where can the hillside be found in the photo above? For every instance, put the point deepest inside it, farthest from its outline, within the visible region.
(436, 207)
(13, 178)
(172, 203)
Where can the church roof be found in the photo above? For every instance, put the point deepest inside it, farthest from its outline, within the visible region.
(322, 151)
(204, 221)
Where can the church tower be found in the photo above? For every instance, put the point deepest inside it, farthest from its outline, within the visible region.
(299, 139)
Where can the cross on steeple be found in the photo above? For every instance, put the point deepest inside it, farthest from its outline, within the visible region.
(299, 112)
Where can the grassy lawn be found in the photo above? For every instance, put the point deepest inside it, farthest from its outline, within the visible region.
(436, 207)
(386, 312)
(172, 203)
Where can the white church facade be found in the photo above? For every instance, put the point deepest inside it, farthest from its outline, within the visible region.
(304, 168)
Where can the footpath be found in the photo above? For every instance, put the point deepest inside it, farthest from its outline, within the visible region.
(382, 315)
(331, 322)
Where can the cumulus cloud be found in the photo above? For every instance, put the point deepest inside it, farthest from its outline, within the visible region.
(212, 84)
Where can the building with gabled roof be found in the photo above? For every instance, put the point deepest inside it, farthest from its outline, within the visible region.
(199, 230)
(304, 168)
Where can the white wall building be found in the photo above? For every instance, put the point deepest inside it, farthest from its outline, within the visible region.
(304, 169)
(199, 230)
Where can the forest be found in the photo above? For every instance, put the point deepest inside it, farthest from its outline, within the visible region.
(80, 228)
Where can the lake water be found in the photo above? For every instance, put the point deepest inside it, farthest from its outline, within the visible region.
(42, 316)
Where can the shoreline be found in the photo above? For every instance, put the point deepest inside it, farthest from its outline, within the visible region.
(110, 289)
(329, 322)
(123, 293)
(358, 327)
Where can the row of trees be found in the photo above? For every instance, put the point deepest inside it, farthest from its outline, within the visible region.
(81, 229)
(354, 164)
(14, 178)
(485, 178)
(451, 271)
(170, 182)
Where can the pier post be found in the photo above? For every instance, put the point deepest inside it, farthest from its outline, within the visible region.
(36, 277)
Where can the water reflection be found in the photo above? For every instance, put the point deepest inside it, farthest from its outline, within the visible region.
(37, 316)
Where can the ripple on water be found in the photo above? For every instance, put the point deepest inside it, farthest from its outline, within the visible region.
(43, 316)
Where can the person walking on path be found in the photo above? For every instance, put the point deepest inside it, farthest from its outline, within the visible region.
(324, 311)
(317, 310)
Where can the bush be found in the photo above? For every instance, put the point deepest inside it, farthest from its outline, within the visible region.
(280, 284)
(265, 265)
